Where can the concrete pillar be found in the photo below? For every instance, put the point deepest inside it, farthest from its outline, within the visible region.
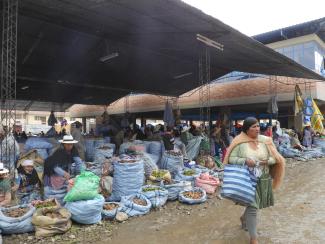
(84, 125)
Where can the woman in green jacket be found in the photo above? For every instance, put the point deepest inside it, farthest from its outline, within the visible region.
(258, 151)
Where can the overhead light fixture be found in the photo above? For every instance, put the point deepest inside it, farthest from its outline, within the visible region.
(182, 75)
(108, 57)
(209, 42)
(24, 87)
(63, 82)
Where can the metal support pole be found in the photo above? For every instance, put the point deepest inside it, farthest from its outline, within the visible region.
(8, 79)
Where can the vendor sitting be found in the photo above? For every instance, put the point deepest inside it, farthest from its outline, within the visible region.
(5, 187)
(27, 183)
(59, 167)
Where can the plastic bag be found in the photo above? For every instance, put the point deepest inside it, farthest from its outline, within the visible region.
(85, 187)
(133, 209)
(50, 226)
(128, 179)
(207, 182)
(175, 188)
(157, 195)
(110, 214)
(185, 199)
(23, 224)
(86, 212)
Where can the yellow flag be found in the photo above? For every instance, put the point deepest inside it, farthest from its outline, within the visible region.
(317, 119)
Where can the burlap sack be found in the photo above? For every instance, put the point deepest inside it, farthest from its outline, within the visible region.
(47, 226)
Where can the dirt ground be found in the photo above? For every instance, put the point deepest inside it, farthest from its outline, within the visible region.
(297, 217)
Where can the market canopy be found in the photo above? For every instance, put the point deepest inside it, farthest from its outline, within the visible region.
(95, 51)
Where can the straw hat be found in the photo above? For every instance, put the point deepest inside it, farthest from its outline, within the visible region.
(68, 139)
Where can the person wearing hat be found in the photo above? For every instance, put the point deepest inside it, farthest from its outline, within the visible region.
(76, 134)
(186, 136)
(27, 183)
(5, 186)
(168, 139)
(58, 168)
(308, 134)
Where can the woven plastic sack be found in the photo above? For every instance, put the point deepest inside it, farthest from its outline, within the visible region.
(85, 187)
(103, 152)
(207, 182)
(37, 143)
(157, 197)
(47, 226)
(172, 163)
(175, 188)
(155, 148)
(149, 164)
(86, 212)
(187, 200)
(128, 179)
(23, 224)
(110, 214)
(133, 209)
(181, 175)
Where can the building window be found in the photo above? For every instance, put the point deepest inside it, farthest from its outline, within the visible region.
(41, 118)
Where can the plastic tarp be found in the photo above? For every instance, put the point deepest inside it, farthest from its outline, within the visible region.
(23, 224)
(128, 179)
(86, 212)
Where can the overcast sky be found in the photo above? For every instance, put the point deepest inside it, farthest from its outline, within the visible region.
(253, 17)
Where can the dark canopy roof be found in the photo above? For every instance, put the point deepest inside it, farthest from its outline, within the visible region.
(60, 44)
(311, 27)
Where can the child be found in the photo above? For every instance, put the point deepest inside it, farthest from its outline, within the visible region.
(28, 183)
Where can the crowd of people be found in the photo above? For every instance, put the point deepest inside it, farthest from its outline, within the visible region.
(250, 143)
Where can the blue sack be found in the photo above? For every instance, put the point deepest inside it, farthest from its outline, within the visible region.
(157, 197)
(239, 184)
(182, 198)
(175, 188)
(23, 224)
(110, 214)
(86, 212)
(37, 142)
(133, 209)
(128, 179)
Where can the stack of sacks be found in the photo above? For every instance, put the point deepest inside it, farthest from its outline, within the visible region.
(83, 200)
